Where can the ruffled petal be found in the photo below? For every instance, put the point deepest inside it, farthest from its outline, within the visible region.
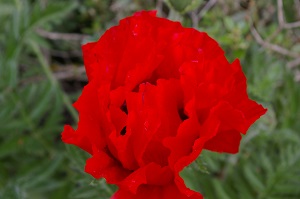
(170, 191)
(88, 133)
(70, 136)
(225, 141)
(151, 174)
(103, 165)
(190, 141)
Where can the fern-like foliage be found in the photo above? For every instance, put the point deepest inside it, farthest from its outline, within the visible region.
(30, 112)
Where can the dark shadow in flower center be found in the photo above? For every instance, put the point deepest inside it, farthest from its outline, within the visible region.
(125, 110)
(136, 89)
(124, 107)
(182, 115)
(123, 131)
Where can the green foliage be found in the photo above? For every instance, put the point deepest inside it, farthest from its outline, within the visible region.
(29, 126)
(184, 6)
(34, 105)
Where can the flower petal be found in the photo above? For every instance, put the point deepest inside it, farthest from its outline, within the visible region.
(103, 165)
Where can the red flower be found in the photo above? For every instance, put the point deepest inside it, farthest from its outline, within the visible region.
(158, 94)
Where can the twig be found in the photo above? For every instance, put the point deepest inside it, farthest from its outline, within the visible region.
(194, 18)
(206, 8)
(159, 7)
(61, 36)
(280, 13)
(270, 46)
(70, 72)
(281, 19)
(297, 76)
(292, 25)
(293, 63)
(276, 48)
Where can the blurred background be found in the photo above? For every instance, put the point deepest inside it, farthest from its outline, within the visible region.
(42, 74)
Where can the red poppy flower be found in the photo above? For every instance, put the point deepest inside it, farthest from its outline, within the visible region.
(158, 94)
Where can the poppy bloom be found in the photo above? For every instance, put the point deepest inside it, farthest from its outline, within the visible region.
(158, 94)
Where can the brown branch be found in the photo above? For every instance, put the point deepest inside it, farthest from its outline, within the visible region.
(70, 72)
(61, 36)
(194, 18)
(159, 7)
(271, 46)
(206, 8)
(297, 76)
(281, 19)
(294, 63)
(280, 14)
(66, 72)
(292, 25)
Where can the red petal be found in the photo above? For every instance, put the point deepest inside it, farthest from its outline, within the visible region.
(188, 143)
(69, 136)
(150, 174)
(102, 165)
(155, 192)
(88, 133)
(225, 141)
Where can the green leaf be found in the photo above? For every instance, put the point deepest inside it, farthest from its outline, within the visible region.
(42, 104)
(77, 156)
(180, 5)
(9, 147)
(219, 190)
(194, 4)
(12, 192)
(6, 9)
(53, 11)
(41, 173)
(229, 24)
(253, 179)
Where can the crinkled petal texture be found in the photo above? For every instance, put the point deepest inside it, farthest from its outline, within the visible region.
(158, 94)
